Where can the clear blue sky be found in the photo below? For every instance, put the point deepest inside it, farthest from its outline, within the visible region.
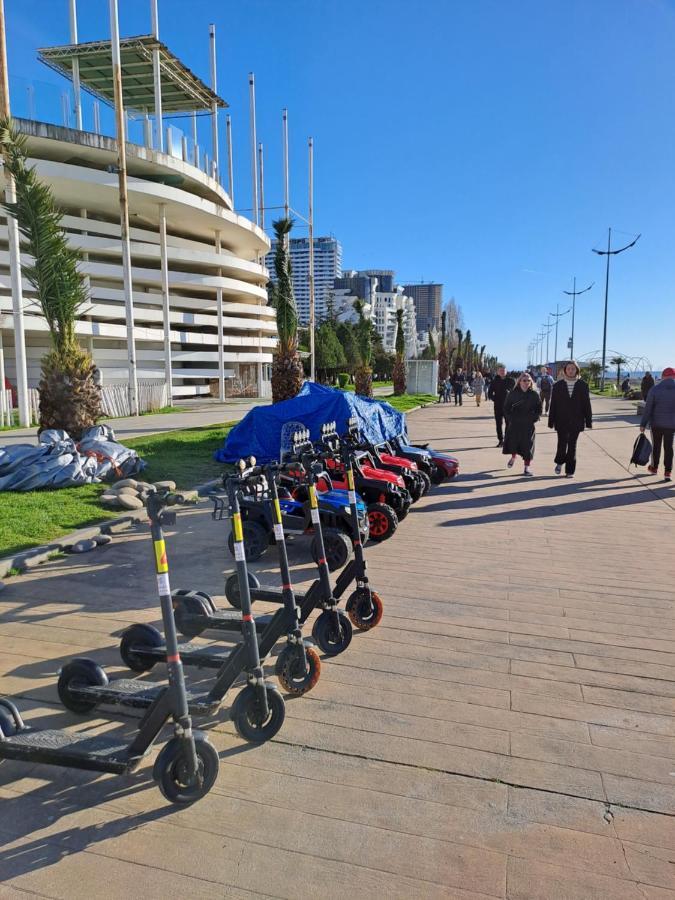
(484, 144)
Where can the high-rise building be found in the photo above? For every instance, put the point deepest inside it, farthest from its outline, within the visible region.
(428, 299)
(327, 267)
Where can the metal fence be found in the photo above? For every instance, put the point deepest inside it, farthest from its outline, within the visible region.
(151, 395)
(10, 416)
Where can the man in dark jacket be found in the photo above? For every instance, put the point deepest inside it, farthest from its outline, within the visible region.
(458, 382)
(646, 384)
(500, 386)
(660, 414)
(569, 414)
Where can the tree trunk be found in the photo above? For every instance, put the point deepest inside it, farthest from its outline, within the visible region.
(70, 398)
(363, 381)
(287, 377)
(399, 378)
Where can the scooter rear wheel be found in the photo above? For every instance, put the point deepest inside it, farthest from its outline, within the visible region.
(294, 677)
(171, 770)
(139, 636)
(232, 594)
(187, 607)
(364, 609)
(80, 673)
(247, 714)
(333, 632)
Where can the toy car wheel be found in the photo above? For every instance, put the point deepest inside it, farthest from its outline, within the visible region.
(77, 674)
(256, 540)
(337, 546)
(249, 718)
(294, 676)
(333, 632)
(414, 487)
(426, 482)
(437, 475)
(382, 521)
(171, 770)
(232, 593)
(139, 636)
(364, 609)
(191, 613)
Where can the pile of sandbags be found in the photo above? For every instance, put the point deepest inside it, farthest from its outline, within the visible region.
(131, 494)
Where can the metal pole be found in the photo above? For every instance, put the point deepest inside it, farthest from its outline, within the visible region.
(574, 304)
(254, 158)
(76, 66)
(14, 250)
(157, 78)
(284, 133)
(97, 117)
(221, 346)
(2, 384)
(124, 206)
(214, 105)
(548, 333)
(261, 175)
(604, 328)
(310, 216)
(230, 164)
(195, 145)
(555, 352)
(166, 303)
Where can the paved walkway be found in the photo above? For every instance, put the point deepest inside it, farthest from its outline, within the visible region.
(508, 730)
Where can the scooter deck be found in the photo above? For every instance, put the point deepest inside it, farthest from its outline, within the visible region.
(191, 654)
(54, 746)
(138, 694)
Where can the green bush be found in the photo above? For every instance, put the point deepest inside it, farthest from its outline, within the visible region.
(343, 379)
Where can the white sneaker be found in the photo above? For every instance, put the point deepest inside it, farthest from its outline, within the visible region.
(558, 470)
(528, 471)
(511, 462)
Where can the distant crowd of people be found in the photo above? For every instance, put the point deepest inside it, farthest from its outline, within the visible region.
(518, 405)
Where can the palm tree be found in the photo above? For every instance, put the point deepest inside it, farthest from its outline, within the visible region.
(458, 360)
(481, 357)
(399, 377)
(363, 376)
(443, 359)
(468, 350)
(594, 370)
(70, 397)
(618, 361)
(287, 371)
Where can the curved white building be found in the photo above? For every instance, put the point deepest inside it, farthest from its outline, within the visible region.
(212, 255)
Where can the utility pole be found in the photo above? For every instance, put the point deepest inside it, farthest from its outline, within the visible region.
(574, 293)
(609, 252)
(548, 327)
(254, 147)
(557, 315)
(312, 301)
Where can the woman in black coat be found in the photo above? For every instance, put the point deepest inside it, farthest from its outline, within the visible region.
(569, 414)
(522, 408)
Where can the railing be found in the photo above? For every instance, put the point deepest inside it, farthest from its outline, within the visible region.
(10, 416)
(152, 395)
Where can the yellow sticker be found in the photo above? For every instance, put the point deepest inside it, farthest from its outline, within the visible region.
(312, 497)
(236, 527)
(161, 562)
(350, 479)
(277, 512)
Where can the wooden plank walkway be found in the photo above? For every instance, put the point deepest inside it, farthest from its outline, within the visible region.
(508, 730)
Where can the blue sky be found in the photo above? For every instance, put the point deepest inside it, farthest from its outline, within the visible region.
(484, 144)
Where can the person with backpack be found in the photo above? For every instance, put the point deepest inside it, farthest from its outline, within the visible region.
(646, 384)
(545, 387)
(659, 413)
(500, 386)
(522, 409)
(569, 414)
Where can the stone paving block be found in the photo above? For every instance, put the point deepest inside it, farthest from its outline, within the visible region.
(535, 881)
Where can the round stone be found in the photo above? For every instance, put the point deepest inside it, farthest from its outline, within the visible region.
(84, 546)
(129, 501)
(166, 485)
(127, 490)
(112, 499)
(125, 482)
(102, 539)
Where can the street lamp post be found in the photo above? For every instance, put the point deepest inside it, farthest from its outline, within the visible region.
(609, 252)
(548, 327)
(557, 315)
(574, 293)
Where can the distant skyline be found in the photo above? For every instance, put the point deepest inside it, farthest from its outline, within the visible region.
(484, 145)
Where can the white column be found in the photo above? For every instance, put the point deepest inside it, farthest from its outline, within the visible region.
(221, 346)
(2, 381)
(76, 66)
(157, 78)
(124, 208)
(166, 302)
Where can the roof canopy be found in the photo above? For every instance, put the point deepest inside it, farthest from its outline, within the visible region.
(182, 90)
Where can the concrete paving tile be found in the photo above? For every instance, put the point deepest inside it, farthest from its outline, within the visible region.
(633, 741)
(592, 678)
(651, 865)
(647, 795)
(630, 700)
(528, 880)
(594, 714)
(645, 828)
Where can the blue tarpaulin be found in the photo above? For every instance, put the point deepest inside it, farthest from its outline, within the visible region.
(266, 430)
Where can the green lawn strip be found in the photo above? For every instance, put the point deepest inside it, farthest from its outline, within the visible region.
(38, 517)
(405, 402)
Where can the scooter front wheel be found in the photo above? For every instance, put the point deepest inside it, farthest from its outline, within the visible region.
(293, 675)
(249, 718)
(80, 673)
(333, 632)
(139, 636)
(171, 770)
(364, 609)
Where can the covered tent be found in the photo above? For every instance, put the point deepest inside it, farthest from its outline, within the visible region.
(265, 431)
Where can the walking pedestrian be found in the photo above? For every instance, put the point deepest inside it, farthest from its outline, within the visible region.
(625, 386)
(545, 387)
(569, 414)
(458, 382)
(522, 409)
(488, 381)
(646, 384)
(659, 412)
(500, 386)
(478, 384)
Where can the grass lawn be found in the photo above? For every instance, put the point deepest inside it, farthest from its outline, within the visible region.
(409, 401)
(37, 517)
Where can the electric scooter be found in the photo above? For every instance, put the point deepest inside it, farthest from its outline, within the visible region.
(186, 766)
(258, 711)
(332, 629)
(298, 666)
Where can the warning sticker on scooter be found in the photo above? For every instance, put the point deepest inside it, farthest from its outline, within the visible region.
(239, 554)
(352, 498)
(279, 532)
(163, 585)
(315, 516)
